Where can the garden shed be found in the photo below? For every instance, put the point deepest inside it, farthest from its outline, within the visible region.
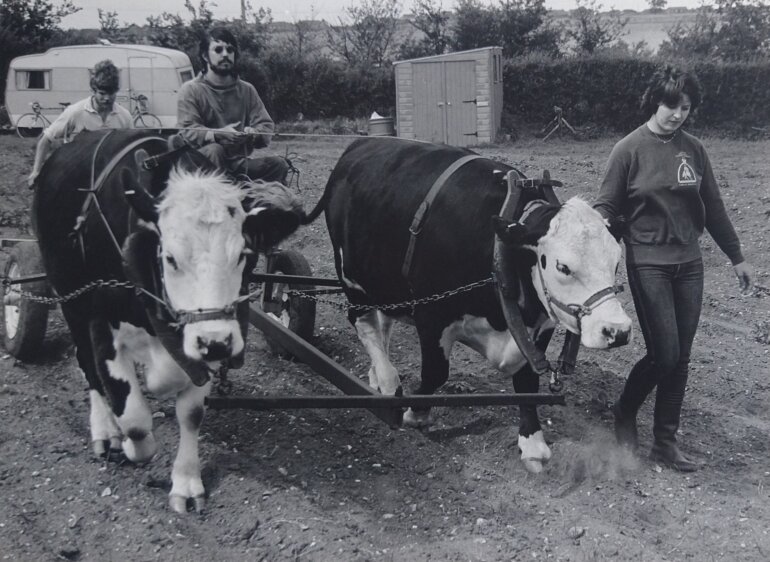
(455, 99)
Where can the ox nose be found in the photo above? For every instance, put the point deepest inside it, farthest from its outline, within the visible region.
(215, 350)
(615, 337)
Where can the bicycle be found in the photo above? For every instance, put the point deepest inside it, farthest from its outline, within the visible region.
(143, 119)
(31, 125)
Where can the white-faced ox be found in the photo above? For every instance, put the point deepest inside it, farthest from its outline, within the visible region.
(563, 254)
(182, 242)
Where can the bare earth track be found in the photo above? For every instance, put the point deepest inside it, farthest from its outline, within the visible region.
(340, 485)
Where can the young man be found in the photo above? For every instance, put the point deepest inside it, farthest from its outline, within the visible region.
(99, 111)
(231, 117)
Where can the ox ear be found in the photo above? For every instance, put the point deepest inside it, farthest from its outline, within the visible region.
(509, 233)
(273, 212)
(264, 228)
(141, 201)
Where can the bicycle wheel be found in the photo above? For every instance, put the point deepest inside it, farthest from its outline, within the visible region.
(147, 121)
(31, 125)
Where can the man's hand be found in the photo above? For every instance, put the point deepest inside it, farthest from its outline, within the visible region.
(31, 179)
(745, 274)
(229, 135)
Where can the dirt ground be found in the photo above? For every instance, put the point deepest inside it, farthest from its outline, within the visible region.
(341, 485)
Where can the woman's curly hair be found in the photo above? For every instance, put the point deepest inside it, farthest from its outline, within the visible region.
(667, 86)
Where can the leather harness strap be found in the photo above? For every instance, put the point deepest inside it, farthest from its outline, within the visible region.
(422, 211)
(99, 181)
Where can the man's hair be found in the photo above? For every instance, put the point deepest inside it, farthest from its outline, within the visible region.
(218, 33)
(105, 76)
(667, 86)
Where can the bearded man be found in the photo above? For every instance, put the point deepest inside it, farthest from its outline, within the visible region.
(223, 116)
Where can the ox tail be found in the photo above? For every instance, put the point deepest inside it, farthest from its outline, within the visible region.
(319, 208)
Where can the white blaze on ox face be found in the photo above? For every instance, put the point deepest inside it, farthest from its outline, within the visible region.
(200, 222)
(579, 257)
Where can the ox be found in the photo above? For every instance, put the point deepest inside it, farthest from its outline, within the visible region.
(562, 254)
(181, 242)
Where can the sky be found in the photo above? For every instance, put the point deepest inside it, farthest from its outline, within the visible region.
(136, 11)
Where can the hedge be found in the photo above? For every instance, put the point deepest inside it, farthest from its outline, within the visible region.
(601, 92)
(605, 92)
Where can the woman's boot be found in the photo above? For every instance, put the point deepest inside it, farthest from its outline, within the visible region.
(665, 449)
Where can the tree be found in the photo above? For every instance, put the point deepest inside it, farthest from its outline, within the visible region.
(735, 30)
(430, 19)
(518, 26)
(475, 26)
(591, 30)
(657, 5)
(28, 26)
(366, 39)
(523, 28)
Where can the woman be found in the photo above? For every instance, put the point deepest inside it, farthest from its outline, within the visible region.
(659, 181)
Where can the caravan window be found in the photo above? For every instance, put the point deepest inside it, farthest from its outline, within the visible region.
(186, 75)
(33, 79)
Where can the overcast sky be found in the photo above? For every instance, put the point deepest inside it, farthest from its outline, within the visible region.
(136, 11)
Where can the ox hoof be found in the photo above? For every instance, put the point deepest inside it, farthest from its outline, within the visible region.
(107, 451)
(140, 451)
(417, 420)
(179, 503)
(534, 466)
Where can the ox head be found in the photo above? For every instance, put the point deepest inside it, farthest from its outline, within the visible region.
(196, 254)
(574, 275)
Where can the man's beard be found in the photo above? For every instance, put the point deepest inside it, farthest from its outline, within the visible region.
(231, 71)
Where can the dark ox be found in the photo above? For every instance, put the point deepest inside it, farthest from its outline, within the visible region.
(370, 201)
(182, 240)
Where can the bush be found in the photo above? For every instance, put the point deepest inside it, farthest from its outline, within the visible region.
(604, 92)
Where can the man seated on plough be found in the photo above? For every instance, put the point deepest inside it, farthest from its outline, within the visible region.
(99, 111)
(223, 116)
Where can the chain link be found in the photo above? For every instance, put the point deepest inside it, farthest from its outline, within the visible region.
(394, 306)
(110, 283)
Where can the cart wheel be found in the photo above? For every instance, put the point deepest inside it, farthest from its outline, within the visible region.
(24, 321)
(294, 312)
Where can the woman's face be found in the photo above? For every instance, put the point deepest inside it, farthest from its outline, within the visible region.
(669, 119)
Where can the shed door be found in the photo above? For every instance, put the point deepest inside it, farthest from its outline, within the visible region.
(461, 103)
(444, 102)
(429, 101)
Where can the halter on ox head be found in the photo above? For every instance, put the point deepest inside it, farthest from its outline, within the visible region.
(197, 225)
(574, 275)
(577, 261)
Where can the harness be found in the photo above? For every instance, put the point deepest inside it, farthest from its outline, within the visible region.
(422, 211)
(512, 212)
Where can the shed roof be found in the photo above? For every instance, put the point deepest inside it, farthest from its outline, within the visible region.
(78, 56)
(445, 55)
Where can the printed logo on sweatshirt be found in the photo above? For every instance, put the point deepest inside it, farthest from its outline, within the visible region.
(685, 175)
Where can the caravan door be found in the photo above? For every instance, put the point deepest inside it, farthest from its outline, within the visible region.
(140, 81)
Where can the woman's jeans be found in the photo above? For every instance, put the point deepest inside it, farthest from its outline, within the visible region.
(668, 302)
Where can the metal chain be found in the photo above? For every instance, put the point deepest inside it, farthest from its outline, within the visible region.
(111, 283)
(394, 306)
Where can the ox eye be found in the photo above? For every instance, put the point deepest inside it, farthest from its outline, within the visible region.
(172, 262)
(561, 268)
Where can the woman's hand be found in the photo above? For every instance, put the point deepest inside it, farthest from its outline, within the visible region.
(745, 274)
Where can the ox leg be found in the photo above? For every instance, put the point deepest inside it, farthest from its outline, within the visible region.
(534, 450)
(373, 329)
(186, 482)
(116, 369)
(166, 379)
(434, 371)
(105, 435)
